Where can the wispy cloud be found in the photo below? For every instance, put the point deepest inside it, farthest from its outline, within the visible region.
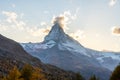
(38, 32)
(112, 2)
(14, 21)
(116, 30)
(2, 28)
(12, 18)
(78, 35)
(17, 24)
(43, 23)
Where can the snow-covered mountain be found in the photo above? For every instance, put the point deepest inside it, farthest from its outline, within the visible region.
(63, 51)
(108, 60)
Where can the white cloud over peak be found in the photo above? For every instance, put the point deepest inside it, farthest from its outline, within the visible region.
(65, 18)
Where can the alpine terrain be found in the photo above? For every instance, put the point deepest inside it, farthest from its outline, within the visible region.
(63, 51)
(12, 54)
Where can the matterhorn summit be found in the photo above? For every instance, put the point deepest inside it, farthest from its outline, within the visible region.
(62, 40)
(57, 32)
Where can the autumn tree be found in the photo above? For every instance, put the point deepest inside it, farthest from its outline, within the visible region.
(14, 74)
(26, 72)
(37, 74)
(32, 73)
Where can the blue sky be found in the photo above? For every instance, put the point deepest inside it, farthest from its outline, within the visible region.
(94, 23)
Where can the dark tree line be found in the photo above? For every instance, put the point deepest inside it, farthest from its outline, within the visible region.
(30, 73)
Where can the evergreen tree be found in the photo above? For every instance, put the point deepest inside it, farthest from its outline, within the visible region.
(79, 77)
(116, 73)
(93, 78)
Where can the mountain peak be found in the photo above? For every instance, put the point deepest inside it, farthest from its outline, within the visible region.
(56, 33)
